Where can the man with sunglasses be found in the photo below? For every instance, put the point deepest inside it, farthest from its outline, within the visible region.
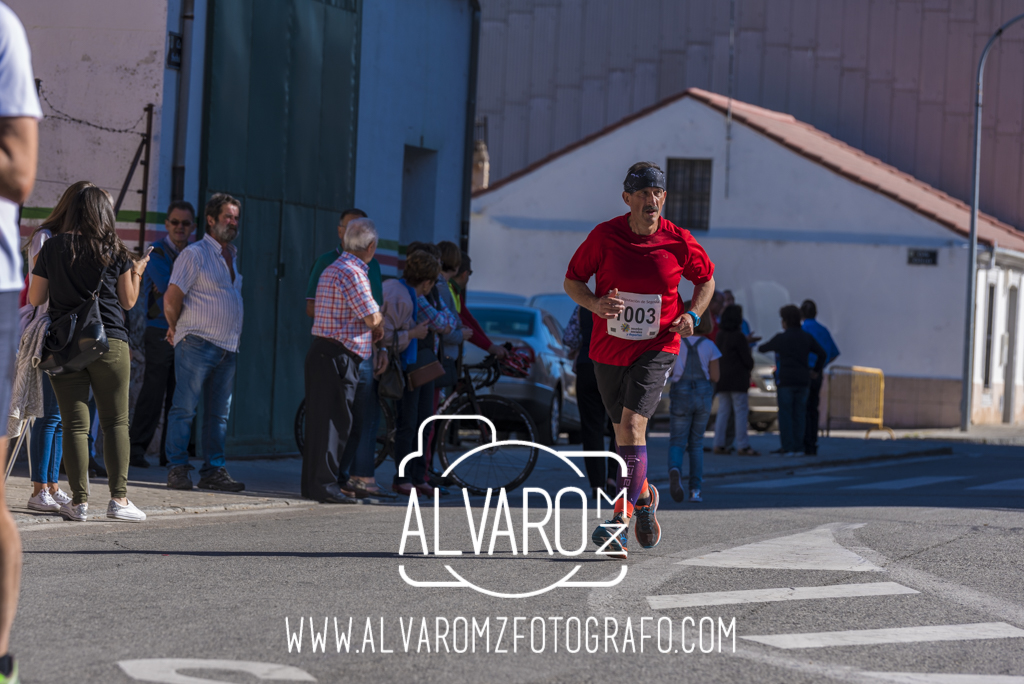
(158, 382)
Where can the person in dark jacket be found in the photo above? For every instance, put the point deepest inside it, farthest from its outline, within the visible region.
(793, 348)
(734, 381)
(593, 417)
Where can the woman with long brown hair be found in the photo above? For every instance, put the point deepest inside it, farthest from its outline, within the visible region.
(46, 444)
(88, 251)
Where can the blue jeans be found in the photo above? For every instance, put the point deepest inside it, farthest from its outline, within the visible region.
(200, 368)
(792, 416)
(691, 409)
(47, 439)
(361, 448)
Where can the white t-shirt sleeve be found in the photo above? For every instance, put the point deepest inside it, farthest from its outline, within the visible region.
(17, 86)
(186, 270)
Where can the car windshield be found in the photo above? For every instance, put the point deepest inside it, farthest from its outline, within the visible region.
(506, 322)
(558, 305)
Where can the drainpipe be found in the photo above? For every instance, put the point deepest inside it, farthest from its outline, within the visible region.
(181, 115)
(467, 166)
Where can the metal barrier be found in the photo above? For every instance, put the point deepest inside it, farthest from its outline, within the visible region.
(856, 394)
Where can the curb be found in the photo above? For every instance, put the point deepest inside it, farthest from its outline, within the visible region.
(940, 451)
(24, 520)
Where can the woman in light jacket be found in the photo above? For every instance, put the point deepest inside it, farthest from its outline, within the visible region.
(406, 322)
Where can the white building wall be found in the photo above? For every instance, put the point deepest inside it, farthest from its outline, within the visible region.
(790, 229)
(100, 62)
(412, 92)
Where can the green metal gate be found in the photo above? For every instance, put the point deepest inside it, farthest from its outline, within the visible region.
(280, 134)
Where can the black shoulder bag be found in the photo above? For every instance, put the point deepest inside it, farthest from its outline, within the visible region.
(77, 338)
(391, 384)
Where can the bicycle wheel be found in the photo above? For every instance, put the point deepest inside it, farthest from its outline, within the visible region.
(300, 426)
(505, 466)
(385, 432)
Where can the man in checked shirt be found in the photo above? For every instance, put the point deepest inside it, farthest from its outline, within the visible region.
(346, 324)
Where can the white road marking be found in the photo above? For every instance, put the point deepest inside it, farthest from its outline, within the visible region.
(896, 635)
(941, 678)
(721, 598)
(784, 482)
(814, 550)
(165, 670)
(1014, 485)
(907, 483)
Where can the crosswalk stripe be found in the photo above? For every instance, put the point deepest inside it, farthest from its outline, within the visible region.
(1015, 485)
(812, 550)
(907, 483)
(784, 482)
(942, 678)
(721, 598)
(896, 635)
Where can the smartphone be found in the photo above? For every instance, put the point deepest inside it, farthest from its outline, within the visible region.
(148, 250)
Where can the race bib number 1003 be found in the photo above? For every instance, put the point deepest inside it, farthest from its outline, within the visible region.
(641, 318)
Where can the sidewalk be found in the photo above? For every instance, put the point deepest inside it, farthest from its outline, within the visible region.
(274, 483)
(269, 484)
(835, 450)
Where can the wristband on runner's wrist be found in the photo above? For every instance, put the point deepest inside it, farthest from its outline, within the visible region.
(696, 318)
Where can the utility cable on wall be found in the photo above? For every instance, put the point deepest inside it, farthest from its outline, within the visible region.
(61, 116)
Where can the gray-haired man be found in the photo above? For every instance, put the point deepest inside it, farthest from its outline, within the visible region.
(346, 324)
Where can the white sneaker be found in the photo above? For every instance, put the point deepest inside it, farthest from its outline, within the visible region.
(44, 502)
(127, 513)
(60, 497)
(75, 512)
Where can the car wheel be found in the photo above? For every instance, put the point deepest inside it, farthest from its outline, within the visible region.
(549, 428)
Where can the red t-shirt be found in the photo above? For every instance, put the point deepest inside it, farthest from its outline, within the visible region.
(642, 264)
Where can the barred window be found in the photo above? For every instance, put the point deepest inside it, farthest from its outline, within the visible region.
(689, 193)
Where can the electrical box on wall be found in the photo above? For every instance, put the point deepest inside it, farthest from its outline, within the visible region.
(174, 46)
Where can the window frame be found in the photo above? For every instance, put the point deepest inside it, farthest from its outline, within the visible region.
(679, 204)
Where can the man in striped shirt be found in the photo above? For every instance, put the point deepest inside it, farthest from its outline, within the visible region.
(203, 306)
(346, 323)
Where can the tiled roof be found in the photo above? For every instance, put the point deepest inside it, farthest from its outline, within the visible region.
(834, 155)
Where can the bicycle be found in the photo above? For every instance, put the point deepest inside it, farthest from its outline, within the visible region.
(506, 466)
(385, 430)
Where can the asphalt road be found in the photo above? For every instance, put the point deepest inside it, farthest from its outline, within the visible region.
(883, 570)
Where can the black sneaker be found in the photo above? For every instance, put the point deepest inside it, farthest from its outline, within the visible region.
(675, 486)
(139, 462)
(9, 670)
(617, 546)
(177, 477)
(220, 480)
(647, 530)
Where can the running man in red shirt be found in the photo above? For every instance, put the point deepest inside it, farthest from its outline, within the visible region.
(638, 260)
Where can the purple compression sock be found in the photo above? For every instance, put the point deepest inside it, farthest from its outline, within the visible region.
(636, 472)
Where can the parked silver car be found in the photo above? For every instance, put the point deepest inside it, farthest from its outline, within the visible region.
(558, 304)
(549, 393)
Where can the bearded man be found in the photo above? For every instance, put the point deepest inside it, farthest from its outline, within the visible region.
(203, 306)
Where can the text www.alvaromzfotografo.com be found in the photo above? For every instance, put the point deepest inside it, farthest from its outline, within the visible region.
(511, 635)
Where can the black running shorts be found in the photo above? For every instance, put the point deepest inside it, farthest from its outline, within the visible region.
(637, 386)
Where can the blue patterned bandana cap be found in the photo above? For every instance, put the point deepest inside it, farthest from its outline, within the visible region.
(646, 178)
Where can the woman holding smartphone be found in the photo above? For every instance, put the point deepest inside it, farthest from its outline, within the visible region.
(88, 251)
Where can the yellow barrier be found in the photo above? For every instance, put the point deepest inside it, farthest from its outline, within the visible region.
(856, 394)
